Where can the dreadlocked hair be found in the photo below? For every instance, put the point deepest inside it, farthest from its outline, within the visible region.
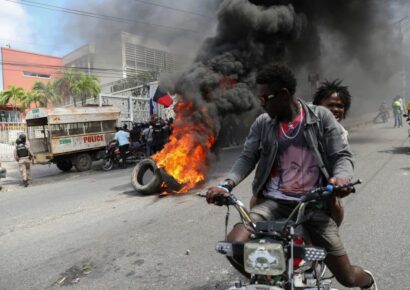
(277, 77)
(327, 88)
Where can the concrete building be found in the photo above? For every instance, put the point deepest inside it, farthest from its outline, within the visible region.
(124, 59)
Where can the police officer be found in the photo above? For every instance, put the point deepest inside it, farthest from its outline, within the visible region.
(23, 156)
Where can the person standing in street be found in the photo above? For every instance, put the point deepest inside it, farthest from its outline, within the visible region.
(24, 156)
(397, 112)
(122, 138)
(148, 135)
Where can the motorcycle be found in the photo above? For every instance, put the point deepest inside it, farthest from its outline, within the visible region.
(279, 255)
(382, 117)
(135, 153)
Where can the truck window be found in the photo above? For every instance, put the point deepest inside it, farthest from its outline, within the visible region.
(37, 132)
(109, 126)
(59, 130)
(92, 127)
(76, 128)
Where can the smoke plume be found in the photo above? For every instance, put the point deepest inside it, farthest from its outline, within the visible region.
(331, 38)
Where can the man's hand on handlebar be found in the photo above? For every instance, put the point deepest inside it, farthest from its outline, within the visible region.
(212, 192)
(343, 192)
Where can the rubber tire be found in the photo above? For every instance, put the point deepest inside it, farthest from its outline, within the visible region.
(64, 165)
(83, 162)
(108, 165)
(154, 185)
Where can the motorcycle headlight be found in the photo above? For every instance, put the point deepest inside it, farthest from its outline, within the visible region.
(264, 258)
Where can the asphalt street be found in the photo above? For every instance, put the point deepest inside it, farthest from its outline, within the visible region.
(92, 231)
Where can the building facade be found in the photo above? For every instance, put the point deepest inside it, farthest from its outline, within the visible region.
(23, 69)
(126, 61)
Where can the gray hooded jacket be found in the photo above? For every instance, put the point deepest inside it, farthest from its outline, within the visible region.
(323, 135)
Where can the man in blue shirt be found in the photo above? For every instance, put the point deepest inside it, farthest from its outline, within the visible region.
(123, 143)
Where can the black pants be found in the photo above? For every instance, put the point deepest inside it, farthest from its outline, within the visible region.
(123, 152)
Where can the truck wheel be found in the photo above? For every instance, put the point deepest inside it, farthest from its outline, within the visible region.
(64, 165)
(83, 162)
(150, 186)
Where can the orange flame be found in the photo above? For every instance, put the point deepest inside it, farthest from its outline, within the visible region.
(184, 157)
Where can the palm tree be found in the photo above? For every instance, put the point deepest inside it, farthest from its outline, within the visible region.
(33, 97)
(14, 95)
(86, 87)
(77, 86)
(47, 93)
(64, 86)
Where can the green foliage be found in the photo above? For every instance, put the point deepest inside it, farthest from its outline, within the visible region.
(41, 95)
(12, 95)
(47, 92)
(77, 86)
(72, 84)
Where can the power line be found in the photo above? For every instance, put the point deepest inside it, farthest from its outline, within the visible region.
(173, 8)
(97, 74)
(26, 42)
(27, 64)
(103, 72)
(97, 16)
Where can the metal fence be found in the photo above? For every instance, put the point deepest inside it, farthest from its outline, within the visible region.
(9, 131)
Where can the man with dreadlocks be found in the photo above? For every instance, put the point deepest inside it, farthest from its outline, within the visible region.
(337, 99)
(296, 147)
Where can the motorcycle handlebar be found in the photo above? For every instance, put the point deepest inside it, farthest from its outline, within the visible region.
(222, 199)
(323, 192)
(318, 193)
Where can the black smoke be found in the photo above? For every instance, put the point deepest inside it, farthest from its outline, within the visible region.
(320, 36)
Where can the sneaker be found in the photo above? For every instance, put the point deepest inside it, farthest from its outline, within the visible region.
(25, 183)
(374, 285)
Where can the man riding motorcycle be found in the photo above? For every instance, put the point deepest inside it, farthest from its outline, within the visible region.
(297, 147)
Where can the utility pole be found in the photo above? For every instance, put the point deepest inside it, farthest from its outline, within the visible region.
(313, 80)
(401, 26)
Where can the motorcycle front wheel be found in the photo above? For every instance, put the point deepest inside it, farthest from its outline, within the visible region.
(140, 155)
(108, 164)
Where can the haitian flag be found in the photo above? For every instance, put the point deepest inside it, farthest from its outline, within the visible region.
(163, 98)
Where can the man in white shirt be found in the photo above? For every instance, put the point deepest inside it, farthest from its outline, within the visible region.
(122, 138)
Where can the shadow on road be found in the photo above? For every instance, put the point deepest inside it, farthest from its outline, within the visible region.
(363, 139)
(397, 150)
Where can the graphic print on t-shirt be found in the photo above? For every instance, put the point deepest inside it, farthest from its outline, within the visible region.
(296, 170)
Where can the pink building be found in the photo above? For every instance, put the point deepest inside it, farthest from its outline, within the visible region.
(23, 69)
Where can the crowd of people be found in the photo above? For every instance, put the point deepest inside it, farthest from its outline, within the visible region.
(153, 134)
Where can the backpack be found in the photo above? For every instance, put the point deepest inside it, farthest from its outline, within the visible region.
(22, 150)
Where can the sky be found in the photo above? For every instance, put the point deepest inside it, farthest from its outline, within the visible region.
(32, 28)
(45, 31)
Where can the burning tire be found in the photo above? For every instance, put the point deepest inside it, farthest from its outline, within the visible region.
(143, 184)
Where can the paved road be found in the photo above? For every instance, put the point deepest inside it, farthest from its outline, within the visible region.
(91, 231)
